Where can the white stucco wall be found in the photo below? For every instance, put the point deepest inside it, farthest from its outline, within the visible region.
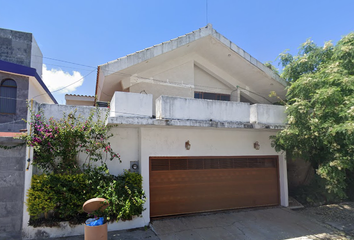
(267, 114)
(131, 105)
(37, 93)
(177, 70)
(57, 111)
(36, 57)
(201, 109)
(204, 82)
(126, 143)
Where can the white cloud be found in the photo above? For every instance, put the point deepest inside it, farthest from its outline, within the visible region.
(56, 79)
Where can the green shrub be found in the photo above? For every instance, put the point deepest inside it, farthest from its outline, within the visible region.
(125, 196)
(65, 194)
(40, 197)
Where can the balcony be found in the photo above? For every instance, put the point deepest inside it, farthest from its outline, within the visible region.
(267, 114)
(136, 109)
(201, 109)
(131, 105)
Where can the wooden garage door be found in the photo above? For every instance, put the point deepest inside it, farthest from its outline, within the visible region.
(180, 185)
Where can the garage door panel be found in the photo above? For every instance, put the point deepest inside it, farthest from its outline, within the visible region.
(186, 191)
(207, 176)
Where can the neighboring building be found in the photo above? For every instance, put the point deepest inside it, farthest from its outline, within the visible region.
(20, 48)
(20, 81)
(195, 114)
(79, 100)
(20, 78)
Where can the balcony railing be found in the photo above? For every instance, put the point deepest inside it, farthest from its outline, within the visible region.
(173, 108)
(268, 114)
(131, 105)
(201, 109)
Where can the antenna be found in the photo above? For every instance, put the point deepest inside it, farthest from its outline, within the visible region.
(206, 11)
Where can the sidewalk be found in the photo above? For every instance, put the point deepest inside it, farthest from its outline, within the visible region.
(134, 234)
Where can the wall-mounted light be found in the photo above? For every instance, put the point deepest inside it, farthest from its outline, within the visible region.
(256, 145)
(187, 145)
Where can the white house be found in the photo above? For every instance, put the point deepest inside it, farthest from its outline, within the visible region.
(194, 114)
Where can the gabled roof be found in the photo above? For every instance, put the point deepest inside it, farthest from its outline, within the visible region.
(182, 42)
(27, 71)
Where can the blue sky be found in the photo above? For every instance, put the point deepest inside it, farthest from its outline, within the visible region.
(91, 33)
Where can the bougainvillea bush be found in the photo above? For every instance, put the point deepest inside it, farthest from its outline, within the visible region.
(58, 143)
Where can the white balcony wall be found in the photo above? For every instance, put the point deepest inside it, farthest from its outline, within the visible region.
(268, 114)
(201, 109)
(131, 105)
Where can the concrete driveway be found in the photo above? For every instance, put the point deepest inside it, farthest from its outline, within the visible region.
(271, 223)
(252, 224)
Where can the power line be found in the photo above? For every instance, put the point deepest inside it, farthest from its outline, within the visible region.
(59, 60)
(75, 68)
(67, 85)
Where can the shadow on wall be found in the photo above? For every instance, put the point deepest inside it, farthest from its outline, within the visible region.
(300, 173)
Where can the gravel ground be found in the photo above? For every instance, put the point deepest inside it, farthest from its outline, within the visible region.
(339, 216)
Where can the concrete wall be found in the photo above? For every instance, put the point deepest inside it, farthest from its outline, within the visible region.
(201, 109)
(37, 93)
(15, 47)
(204, 82)
(166, 79)
(131, 105)
(36, 57)
(158, 89)
(20, 48)
(56, 111)
(12, 170)
(267, 113)
(13, 122)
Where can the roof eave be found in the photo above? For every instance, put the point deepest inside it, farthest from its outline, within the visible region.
(156, 50)
(27, 71)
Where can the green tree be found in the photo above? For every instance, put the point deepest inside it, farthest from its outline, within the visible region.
(320, 110)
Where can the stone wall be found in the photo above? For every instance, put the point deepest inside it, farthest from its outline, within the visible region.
(15, 47)
(12, 171)
(20, 48)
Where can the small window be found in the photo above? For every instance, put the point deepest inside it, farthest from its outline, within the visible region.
(8, 95)
(212, 96)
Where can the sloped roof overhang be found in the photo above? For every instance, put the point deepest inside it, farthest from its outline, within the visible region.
(26, 71)
(207, 47)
